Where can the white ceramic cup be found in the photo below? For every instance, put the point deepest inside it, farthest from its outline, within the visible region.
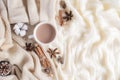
(44, 33)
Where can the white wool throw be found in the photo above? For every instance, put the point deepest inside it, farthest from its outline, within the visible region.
(89, 42)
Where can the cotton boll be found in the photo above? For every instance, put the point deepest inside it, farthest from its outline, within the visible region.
(20, 29)
(22, 33)
(20, 25)
(15, 27)
(17, 31)
(25, 27)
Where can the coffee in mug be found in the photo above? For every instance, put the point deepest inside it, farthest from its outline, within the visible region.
(44, 33)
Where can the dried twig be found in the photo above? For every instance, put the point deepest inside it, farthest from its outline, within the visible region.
(60, 17)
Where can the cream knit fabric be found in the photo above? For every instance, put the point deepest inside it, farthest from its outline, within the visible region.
(90, 42)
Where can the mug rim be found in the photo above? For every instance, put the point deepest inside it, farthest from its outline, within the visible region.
(39, 25)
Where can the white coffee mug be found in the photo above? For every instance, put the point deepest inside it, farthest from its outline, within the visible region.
(44, 33)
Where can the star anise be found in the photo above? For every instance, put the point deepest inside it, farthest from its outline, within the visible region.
(53, 52)
(68, 16)
(29, 46)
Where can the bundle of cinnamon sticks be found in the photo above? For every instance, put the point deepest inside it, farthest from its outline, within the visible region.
(43, 59)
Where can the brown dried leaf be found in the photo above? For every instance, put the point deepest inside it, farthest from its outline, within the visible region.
(63, 4)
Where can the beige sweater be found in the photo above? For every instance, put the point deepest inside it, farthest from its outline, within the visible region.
(90, 42)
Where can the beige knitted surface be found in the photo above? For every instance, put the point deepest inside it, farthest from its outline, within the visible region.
(89, 43)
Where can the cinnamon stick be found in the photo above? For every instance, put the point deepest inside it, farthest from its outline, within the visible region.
(43, 59)
(60, 17)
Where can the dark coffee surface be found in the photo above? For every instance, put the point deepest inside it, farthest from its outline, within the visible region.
(45, 33)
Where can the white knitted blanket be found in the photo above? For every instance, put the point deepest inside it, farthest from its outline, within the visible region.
(89, 43)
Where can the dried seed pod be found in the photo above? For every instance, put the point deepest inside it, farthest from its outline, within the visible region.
(63, 4)
(5, 68)
(60, 59)
(0, 49)
(46, 71)
(29, 46)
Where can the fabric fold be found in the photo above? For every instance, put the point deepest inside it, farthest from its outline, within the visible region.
(5, 28)
(47, 10)
(16, 11)
(2, 32)
(89, 43)
(32, 12)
